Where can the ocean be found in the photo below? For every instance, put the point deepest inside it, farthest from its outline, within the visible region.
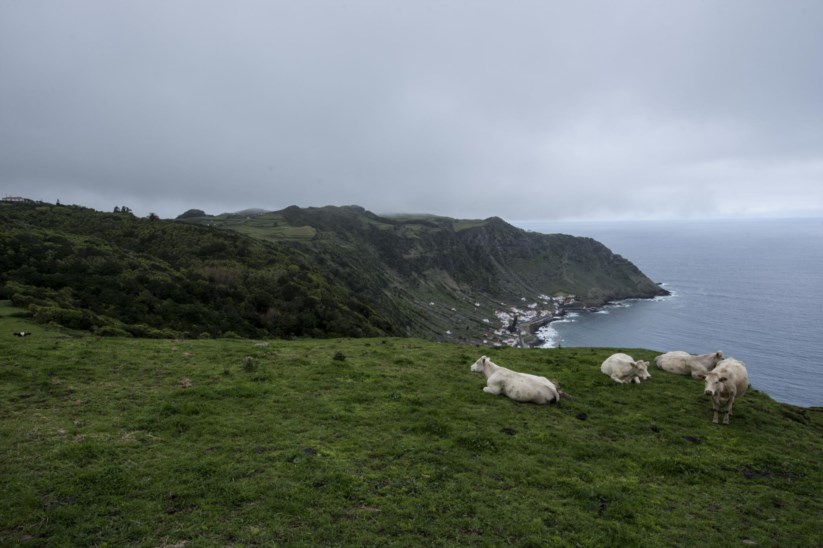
(751, 288)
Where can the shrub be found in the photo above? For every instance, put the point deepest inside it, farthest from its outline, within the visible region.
(66, 317)
(148, 332)
(111, 331)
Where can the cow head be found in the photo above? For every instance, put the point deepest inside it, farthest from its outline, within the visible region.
(714, 382)
(480, 365)
(642, 369)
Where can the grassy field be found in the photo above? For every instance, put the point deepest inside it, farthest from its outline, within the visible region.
(113, 442)
(267, 226)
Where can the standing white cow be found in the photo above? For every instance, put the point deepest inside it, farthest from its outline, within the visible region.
(624, 369)
(728, 381)
(683, 363)
(520, 387)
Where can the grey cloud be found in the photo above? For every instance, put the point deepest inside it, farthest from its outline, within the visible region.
(524, 110)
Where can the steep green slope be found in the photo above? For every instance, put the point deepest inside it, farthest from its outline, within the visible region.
(120, 442)
(437, 275)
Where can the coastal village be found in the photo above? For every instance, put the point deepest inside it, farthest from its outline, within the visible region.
(518, 326)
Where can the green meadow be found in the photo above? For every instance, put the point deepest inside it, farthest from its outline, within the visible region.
(382, 441)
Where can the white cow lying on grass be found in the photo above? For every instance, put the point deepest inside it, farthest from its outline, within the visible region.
(683, 363)
(728, 381)
(624, 369)
(520, 387)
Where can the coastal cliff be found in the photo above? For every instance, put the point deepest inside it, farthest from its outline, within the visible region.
(301, 272)
(481, 281)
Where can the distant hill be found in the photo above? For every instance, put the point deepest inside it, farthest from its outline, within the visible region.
(192, 213)
(330, 271)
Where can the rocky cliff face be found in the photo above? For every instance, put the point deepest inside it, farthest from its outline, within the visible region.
(556, 264)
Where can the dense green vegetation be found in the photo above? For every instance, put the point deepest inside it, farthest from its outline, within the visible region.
(162, 442)
(115, 274)
(314, 272)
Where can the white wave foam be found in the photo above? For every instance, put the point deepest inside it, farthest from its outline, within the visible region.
(564, 320)
(549, 336)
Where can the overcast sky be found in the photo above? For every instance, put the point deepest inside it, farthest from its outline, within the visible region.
(467, 108)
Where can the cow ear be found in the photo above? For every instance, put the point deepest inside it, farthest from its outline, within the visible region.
(723, 379)
(701, 376)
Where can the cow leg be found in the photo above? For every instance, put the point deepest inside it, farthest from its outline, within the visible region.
(728, 410)
(493, 389)
(715, 409)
